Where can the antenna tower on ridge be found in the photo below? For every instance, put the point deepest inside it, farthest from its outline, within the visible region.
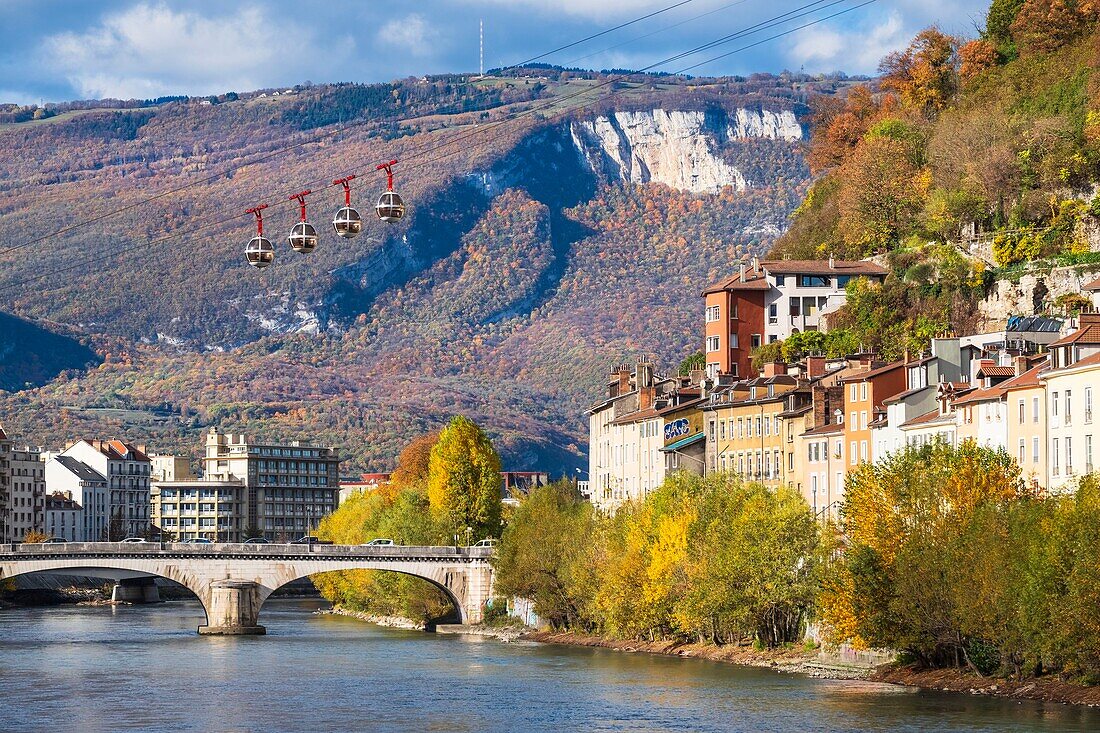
(481, 48)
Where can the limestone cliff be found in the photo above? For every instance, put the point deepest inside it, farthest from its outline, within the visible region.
(679, 148)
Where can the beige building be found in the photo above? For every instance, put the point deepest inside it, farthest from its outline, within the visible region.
(1026, 399)
(287, 488)
(27, 494)
(171, 468)
(1072, 421)
(192, 509)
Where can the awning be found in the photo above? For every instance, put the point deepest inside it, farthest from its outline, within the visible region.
(684, 443)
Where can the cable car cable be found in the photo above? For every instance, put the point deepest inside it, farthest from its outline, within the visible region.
(235, 217)
(315, 138)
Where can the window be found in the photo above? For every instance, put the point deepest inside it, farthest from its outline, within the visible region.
(758, 432)
(734, 343)
(712, 343)
(813, 281)
(863, 420)
(1054, 462)
(722, 430)
(842, 280)
(852, 392)
(839, 452)
(756, 341)
(852, 455)
(863, 450)
(713, 367)
(768, 425)
(1088, 453)
(1054, 406)
(863, 391)
(740, 427)
(1088, 405)
(773, 313)
(780, 280)
(1069, 454)
(1034, 409)
(795, 307)
(1023, 449)
(733, 310)
(733, 369)
(853, 421)
(1035, 450)
(809, 307)
(1069, 415)
(1022, 411)
(714, 313)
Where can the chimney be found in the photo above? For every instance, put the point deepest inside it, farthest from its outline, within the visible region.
(647, 396)
(697, 375)
(818, 396)
(644, 373)
(815, 367)
(741, 271)
(1020, 364)
(755, 264)
(774, 368)
(624, 379)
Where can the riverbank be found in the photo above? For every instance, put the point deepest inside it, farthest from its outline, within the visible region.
(1046, 689)
(393, 622)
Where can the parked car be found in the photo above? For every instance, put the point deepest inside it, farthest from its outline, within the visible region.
(56, 541)
(380, 542)
(310, 541)
(134, 540)
(257, 541)
(486, 543)
(198, 541)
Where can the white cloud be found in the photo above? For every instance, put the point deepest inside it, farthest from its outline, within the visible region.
(856, 50)
(151, 50)
(411, 34)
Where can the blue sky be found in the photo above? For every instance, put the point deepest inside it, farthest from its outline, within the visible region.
(55, 51)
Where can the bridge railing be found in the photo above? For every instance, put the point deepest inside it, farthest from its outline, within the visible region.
(235, 549)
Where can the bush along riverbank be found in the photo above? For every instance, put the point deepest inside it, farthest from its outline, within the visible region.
(945, 554)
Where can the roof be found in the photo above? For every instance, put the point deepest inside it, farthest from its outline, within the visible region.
(927, 418)
(1089, 332)
(1088, 361)
(1092, 286)
(57, 501)
(877, 371)
(3, 435)
(823, 267)
(81, 470)
(907, 393)
(796, 411)
(981, 395)
(1030, 378)
(996, 371)
(829, 429)
(754, 280)
(684, 442)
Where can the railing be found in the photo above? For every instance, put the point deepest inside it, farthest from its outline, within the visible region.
(233, 550)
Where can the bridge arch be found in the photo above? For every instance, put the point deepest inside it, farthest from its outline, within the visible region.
(232, 582)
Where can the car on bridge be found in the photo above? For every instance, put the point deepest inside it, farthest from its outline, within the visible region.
(257, 541)
(486, 543)
(55, 541)
(380, 542)
(198, 541)
(133, 540)
(311, 541)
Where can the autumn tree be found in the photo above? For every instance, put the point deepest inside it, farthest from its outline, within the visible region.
(413, 462)
(975, 58)
(1042, 26)
(464, 482)
(925, 74)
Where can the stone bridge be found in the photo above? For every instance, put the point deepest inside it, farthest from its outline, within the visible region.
(232, 581)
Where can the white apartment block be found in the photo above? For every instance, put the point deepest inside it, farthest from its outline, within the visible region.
(5, 485)
(128, 470)
(64, 518)
(27, 493)
(213, 510)
(66, 476)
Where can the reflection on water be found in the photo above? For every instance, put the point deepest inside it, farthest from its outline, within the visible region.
(144, 668)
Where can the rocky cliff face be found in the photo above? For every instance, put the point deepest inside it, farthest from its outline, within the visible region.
(682, 149)
(1028, 294)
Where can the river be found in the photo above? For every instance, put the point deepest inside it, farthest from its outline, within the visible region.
(143, 668)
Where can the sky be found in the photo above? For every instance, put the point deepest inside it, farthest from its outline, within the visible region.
(58, 50)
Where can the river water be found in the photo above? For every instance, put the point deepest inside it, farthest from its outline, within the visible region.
(134, 668)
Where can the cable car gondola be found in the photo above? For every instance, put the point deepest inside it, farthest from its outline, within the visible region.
(259, 251)
(347, 222)
(303, 236)
(390, 207)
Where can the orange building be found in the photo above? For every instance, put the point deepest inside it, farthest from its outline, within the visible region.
(864, 393)
(735, 322)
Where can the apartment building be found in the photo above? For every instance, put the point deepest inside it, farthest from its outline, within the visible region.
(1071, 384)
(864, 395)
(88, 488)
(647, 425)
(64, 518)
(287, 488)
(128, 471)
(1092, 289)
(27, 493)
(1026, 400)
(825, 469)
(923, 408)
(170, 468)
(745, 427)
(5, 485)
(200, 509)
(770, 300)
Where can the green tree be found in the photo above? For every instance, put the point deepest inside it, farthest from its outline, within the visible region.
(698, 360)
(464, 482)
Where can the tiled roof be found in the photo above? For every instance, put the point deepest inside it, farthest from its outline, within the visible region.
(833, 427)
(928, 417)
(1088, 333)
(862, 376)
(753, 281)
(1030, 378)
(982, 395)
(821, 267)
(1092, 360)
(1092, 286)
(996, 371)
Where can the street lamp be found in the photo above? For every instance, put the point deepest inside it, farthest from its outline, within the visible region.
(469, 533)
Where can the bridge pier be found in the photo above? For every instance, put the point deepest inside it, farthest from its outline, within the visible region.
(232, 609)
(135, 590)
